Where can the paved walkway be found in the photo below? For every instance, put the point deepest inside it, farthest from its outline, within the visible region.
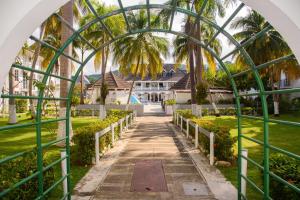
(153, 143)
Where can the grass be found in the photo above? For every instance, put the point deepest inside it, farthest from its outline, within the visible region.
(22, 139)
(282, 136)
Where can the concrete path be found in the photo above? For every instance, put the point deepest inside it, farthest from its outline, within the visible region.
(153, 141)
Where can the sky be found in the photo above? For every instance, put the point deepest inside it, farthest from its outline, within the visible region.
(178, 23)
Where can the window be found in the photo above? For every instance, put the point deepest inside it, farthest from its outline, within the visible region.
(138, 84)
(16, 75)
(147, 85)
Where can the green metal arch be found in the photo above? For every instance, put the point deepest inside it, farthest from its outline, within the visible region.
(220, 30)
(203, 19)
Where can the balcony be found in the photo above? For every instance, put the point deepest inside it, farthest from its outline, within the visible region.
(151, 88)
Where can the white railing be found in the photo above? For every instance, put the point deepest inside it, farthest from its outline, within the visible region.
(179, 119)
(111, 128)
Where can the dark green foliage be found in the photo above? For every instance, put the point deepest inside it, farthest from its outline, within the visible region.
(18, 169)
(170, 102)
(223, 145)
(226, 101)
(202, 92)
(21, 105)
(288, 169)
(84, 137)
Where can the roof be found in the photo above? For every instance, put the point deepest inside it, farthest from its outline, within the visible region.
(170, 73)
(184, 84)
(85, 80)
(113, 81)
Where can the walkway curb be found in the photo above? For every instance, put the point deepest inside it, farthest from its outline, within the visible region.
(217, 183)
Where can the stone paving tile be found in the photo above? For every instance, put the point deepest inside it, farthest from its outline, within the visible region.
(153, 140)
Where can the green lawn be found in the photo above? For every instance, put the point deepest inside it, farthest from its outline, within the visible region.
(283, 136)
(18, 140)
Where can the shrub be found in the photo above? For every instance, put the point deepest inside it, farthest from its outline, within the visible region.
(20, 168)
(225, 101)
(288, 169)
(170, 102)
(21, 105)
(247, 111)
(223, 141)
(84, 137)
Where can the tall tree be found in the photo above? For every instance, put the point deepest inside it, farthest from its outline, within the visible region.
(140, 54)
(266, 48)
(65, 66)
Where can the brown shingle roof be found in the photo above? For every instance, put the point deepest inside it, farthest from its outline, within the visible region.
(113, 82)
(183, 84)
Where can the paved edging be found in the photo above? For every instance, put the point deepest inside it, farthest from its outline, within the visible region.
(88, 185)
(217, 183)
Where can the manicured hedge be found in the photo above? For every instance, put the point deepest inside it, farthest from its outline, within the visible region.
(223, 140)
(18, 169)
(84, 138)
(288, 169)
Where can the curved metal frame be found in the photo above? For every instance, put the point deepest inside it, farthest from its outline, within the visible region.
(220, 30)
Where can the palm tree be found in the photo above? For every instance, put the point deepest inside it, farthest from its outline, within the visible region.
(97, 35)
(268, 47)
(140, 54)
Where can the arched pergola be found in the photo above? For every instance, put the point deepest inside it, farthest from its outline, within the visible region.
(262, 93)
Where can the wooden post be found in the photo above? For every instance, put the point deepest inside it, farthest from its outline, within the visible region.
(112, 128)
(244, 171)
(187, 128)
(97, 154)
(211, 149)
(196, 135)
(181, 123)
(121, 127)
(63, 154)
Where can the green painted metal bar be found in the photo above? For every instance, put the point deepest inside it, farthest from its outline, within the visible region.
(53, 48)
(297, 157)
(238, 9)
(148, 14)
(253, 184)
(65, 196)
(55, 185)
(12, 157)
(251, 117)
(250, 94)
(293, 187)
(283, 91)
(40, 72)
(174, 4)
(100, 19)
(18, 184)
(253, 162)
(15, 126)
(289, 123)
(253, 140)
(53, 142)
(124, 15)
(262, 66)
(54, 163)
(74, 31)
(53, 120)
(248, 42)
(31, 97)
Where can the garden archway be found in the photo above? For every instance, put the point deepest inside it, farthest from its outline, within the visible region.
(262, 93)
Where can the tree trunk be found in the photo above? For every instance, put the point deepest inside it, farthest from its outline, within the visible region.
(102, 111)
(276, 97)
(133, 82)
(12, 102)
(65, 69)
(34, 62)
(81, 81)
(199, 57)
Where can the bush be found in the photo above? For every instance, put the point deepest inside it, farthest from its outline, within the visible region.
(84, 137)
(170, 102)
(21, 105)
(223, 141)
(225, 101)
(20, 168)
(288, 169)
